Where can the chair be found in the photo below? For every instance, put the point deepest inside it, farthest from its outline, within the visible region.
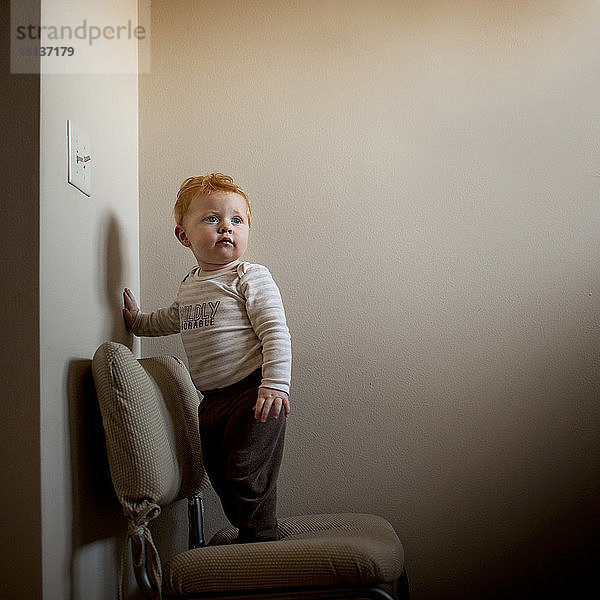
(149, 411)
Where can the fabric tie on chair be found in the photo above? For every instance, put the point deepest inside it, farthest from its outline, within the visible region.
(138, 517)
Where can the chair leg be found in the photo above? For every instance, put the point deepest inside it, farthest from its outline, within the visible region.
(141, 573)
(314, 593)
(377, 594)
(402, 591)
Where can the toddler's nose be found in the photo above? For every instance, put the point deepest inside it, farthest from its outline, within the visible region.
(225, 227)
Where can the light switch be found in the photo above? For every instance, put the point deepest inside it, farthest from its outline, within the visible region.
(80, 159)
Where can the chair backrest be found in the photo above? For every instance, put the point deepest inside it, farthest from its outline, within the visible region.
(150, 414)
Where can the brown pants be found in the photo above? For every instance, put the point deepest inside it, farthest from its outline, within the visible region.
(242, 457)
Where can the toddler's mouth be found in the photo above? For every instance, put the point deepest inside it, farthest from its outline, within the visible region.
(225, 242)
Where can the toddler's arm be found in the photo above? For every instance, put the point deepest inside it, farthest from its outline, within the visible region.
(164, 321)
(267, 317)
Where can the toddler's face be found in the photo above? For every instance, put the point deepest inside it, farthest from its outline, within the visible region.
(216, 229)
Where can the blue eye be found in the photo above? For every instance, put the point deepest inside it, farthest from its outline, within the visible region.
(212, 219)
(237, 220)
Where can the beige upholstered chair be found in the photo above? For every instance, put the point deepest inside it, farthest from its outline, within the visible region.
(149, 410)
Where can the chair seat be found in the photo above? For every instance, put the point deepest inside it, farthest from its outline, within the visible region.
(315, 550)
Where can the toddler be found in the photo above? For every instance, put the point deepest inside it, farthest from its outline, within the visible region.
(232, 324)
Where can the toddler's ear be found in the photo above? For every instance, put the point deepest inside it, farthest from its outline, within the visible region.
(181, 236)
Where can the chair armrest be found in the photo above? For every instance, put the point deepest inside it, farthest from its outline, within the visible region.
(196, 522)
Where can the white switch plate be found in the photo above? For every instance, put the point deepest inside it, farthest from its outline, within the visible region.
(80, 159)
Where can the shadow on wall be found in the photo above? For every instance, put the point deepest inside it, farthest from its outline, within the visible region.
(97, 514)
(111, 241)
(559, 560)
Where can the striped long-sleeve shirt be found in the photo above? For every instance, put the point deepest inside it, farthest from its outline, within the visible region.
(231, 322)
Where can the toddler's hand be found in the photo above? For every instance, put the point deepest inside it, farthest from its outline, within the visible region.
(267, 399)
(131, 308)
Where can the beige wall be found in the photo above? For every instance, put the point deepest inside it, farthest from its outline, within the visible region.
(88, 252)
(425, 183)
